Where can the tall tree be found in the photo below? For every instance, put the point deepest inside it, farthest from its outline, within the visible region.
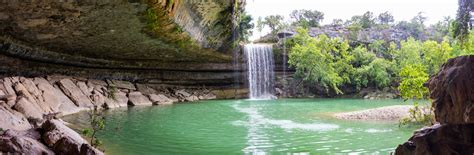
(275, 22)
(385, 18)
(312, 18)
(462, 24)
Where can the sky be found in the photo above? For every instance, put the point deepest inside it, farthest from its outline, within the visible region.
(435, 10)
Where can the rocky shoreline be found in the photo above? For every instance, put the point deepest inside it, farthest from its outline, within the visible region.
(29, 108)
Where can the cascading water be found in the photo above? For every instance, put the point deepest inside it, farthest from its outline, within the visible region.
(260, 67)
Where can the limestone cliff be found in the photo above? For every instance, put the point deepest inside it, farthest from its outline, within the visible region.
(150, 40)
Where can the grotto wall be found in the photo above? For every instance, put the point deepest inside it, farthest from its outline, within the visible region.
(171, 42)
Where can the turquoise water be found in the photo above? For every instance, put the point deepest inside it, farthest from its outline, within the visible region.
(249, 127)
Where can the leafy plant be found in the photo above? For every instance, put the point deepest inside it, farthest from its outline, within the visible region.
(97, 122)
(411, 87)
(111, 91)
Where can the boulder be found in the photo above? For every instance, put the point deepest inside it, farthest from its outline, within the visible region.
(98, 99)
(57, 100)
(92, 82)
(17, 143)
(64, 140)
(8, 120)
(182, 93)
(8, 86)
(118, 99)
(440, 139)
(121, 84)
(452, 91)
(75, 93)
(22, 91)
(208, 96)
(160, 99)
(10, 100)
(29, 109)
(145, 89)
(55, 130)
(138, 99)
(191, 98)
(84, 88)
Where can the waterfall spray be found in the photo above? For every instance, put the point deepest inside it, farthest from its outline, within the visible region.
(260, 67)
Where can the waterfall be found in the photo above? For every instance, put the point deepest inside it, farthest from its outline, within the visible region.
(260, 70)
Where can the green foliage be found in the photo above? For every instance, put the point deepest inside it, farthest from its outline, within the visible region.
(274, 22)
(245, 27)
(462, 23)
(307, 18)
(411, 87)
(419, 115)
(312, 58)
(434, 55)
(97, 122)
(409, 52)
(413, 77)
(364, 21)
(111, 90)
(385, 18)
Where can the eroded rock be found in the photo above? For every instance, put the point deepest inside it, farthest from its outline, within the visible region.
(75, 93)
(160, 99)
(116, 99)
(452, 91)
(8, 120)
(440, 139)
(20, 143)
(121, 84)
(138, 99)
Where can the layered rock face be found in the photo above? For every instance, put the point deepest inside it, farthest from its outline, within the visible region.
(453, 95)
(29, 106)
(180, 42)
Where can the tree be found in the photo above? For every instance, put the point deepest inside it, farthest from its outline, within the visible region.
(409, 52)
(411, 87)
(385, 18)
(275, 22)
(337, 22)
(260, 24)
(367, 20)
(462, 24)
(313, 60)
(311, 18)
(245, 27)
(435, 55)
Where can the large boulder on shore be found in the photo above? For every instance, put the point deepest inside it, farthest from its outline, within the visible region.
(138, 99)
(452, 91)
(22, 142)
(10, 119)
(64, 140)
(440, 139)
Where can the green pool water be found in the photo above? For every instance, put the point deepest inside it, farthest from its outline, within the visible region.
(289, 126)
